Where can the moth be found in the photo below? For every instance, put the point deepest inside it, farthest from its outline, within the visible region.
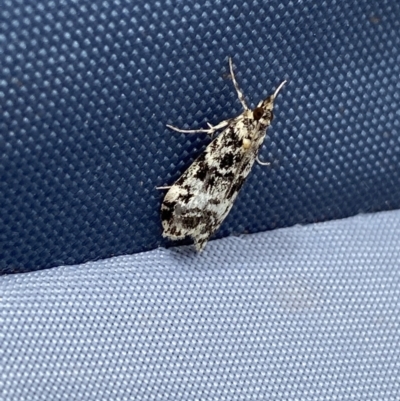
(198, 202)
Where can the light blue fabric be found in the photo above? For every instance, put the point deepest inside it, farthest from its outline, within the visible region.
(303, 313)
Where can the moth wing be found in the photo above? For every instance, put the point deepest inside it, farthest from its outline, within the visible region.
(201, 198)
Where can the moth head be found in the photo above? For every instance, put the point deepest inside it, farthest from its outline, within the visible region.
(263, 111)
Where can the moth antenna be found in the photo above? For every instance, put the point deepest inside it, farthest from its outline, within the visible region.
(239, 92)
(278, 89)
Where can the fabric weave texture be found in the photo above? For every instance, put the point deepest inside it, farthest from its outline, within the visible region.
(302, 313)
(87, 88)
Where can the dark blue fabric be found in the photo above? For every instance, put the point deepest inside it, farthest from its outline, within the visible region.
(86, 89)
(303, 313)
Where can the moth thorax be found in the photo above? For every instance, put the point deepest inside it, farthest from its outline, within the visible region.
(246, 143)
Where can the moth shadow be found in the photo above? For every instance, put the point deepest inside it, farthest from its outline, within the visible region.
(183, 251)
(187, 258)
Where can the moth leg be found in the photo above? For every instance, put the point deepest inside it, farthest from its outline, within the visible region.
(238, 90)
(164, 187)
(220, 125)
(262, 163)
(211, 128)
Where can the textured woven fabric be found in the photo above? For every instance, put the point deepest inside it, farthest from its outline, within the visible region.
(86, 89)
(302, 313)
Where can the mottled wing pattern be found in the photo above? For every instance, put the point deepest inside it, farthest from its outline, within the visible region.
(199, 201)
(202, 197)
